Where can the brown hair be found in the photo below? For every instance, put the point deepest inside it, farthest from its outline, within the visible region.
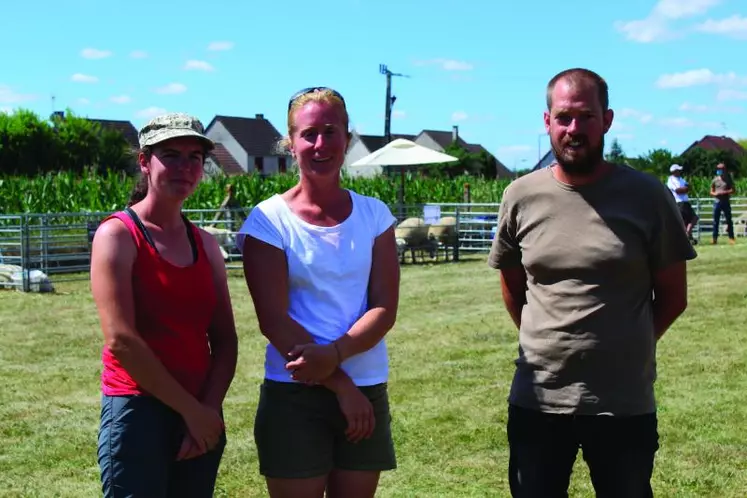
(581, 77)
(321, 95)
(140, 190)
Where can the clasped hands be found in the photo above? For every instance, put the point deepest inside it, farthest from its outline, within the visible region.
(312, 363)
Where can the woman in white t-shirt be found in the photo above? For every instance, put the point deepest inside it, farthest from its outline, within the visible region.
(321, 265)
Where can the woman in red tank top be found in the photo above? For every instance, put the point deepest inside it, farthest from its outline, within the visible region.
(159, 284)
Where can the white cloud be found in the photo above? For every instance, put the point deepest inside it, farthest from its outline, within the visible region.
(8, 96)
(121, 99)
(193, 65)
(220, 46)
(656, 26)
(94, 53)
(729, 94)
(138, 54)
(624, 136)
(398, 114)
(688, 107)
(172, 89)
(447, 64)
(619, 126)
(150, 112)
(641, 116)
(84, 78)
(83, 101)
(647, 30)
(678, 9)
(734, 26)
(514, 148)
(6, 110)
(459, 116)
(697, 77)
(676, 122)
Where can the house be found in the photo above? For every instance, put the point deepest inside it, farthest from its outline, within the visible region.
(361, 146)
(712, 142)
(245, 145)
(126, 128)
(438, 140)
(546, 161)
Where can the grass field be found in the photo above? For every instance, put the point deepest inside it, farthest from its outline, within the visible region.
(451, 357)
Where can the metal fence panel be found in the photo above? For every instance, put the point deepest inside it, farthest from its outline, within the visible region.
(59, 244)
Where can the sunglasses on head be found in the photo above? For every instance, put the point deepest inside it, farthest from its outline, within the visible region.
(313, 89)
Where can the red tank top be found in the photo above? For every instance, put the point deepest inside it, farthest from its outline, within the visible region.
(173, 310)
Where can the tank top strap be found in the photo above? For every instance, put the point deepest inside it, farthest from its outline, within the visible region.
(135, 232)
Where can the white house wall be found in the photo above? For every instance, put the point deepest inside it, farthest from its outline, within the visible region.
(356, 151)
(427, 141)
(219, 134)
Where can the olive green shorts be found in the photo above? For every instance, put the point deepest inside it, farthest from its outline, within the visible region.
(299, 431)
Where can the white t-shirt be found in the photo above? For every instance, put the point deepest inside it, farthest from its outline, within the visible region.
(329, 270)
(675, 182)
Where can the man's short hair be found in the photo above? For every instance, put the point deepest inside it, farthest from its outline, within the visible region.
(581, 76)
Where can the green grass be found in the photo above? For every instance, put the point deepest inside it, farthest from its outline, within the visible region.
(451, 358)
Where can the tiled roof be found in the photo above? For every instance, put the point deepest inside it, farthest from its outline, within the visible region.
(226, 161)
(256, 135)
(501, 170)
(444, 138)
(712, 142)
(375, 142)
(124, 127)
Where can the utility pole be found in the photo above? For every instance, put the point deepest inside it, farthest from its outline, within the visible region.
(389, 101)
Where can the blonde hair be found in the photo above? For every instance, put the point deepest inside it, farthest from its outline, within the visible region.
(325, 95)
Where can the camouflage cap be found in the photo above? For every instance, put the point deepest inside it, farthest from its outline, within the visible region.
(172, 125)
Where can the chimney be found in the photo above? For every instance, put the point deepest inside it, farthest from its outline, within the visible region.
(455, 133)
(259, 116)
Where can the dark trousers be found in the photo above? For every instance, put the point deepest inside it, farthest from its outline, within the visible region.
(618, 450)
(725, 208)
(139, 438)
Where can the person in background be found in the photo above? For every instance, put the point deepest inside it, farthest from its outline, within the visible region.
(680, 190)
(321, 267)
(592, 261)
(722, 188)
(159, 284)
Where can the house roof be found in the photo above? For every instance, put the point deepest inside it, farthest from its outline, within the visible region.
(257, 136)
(444, 138)
(375, 142)
(501, 169)
(225, 160)
(546, 161)
(712, 142)
(126, 128)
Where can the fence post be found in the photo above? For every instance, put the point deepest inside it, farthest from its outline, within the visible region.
(458, 238)
(25, 263)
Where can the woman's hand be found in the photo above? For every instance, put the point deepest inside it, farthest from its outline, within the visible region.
(358, 412)
(312, 363)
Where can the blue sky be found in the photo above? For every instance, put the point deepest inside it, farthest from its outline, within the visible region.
(673, 66)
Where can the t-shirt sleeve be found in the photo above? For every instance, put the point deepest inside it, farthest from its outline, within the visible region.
(672, 184)
(669, 241)
(505, 251)
(383, 217)
(260, 226)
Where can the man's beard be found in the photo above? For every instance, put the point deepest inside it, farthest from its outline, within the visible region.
(583, 160)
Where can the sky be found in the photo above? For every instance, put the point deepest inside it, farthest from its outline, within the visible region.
(672, 66)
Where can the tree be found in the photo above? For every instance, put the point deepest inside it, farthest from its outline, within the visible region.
(616, 154)
(743, 143)
(702, 162)
(31, 146)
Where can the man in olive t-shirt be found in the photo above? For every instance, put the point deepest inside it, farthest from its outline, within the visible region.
(592, 262)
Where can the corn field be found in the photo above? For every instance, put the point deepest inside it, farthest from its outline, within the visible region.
(67, 193)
